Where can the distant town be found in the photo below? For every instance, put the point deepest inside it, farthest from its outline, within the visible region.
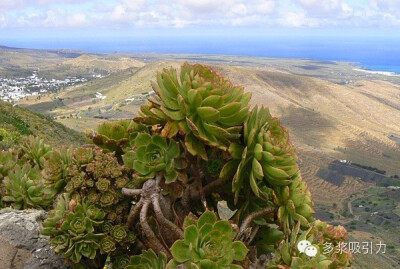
(14, 89)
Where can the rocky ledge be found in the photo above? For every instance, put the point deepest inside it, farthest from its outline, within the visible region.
(22, 245)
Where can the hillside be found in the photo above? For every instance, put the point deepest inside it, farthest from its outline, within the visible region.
(110, 65)
(24, 122)
(58, 64)
(357, 121)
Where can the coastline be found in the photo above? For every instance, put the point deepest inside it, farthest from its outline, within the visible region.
(384, 73)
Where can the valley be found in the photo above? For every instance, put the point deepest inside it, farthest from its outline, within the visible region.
(333, 110)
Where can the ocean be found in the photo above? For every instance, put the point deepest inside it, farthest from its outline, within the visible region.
(376, 52)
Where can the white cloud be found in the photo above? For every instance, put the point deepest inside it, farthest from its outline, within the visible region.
(119, 14)
(208, 13)
(77, 20)
(292, 19)
(3, 22)
(265, 7)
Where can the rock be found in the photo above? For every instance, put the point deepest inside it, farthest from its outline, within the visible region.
(22, 245)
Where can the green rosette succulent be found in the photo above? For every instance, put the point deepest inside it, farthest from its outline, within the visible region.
(112, 136)
(35, 151)
(295, 204)
(268, 159)
(154, 154)
(85, 245)
(208, 243)
(56, 168)
(119, 261)
(200, 104)
(246, 164)
(7, 162)
(24, 188)
(107, 244)
(119, 233)
(148, 260)
(51, 225)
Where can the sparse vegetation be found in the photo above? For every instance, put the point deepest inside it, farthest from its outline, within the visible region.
(370, 168)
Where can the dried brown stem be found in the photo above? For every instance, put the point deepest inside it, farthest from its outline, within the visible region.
(253, 234)
(248, 220)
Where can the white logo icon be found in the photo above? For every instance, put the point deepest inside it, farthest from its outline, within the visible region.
(301, 246)
(311, 251)
(304, 246)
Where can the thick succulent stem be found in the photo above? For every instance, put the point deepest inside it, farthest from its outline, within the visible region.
(209, 188)
(151, 237)
(248, 220)
(134, 213)
(162, 220)
(197, 176)
(131, 192)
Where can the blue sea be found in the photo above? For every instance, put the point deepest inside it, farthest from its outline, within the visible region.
(373, 51)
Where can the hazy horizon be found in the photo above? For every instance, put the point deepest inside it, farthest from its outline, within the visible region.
(361, 31)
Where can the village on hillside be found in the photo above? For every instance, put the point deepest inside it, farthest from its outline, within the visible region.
(14, 89)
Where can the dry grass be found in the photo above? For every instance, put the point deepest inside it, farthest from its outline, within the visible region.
(111, 65)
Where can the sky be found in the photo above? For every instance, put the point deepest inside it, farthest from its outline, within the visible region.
(140, 15)
(247, 27)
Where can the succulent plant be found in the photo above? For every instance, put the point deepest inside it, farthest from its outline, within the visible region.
(73, 228)
(198, 129)
(119, 260)
(334, 235)
(295, 203)
(155, 154)
(51, 225)
(85, 245)
(7, 162)
(292, 255)
(201, 104)
(114, 136)
(77, 229)
(99, 177)
(148, 260)
(246, 159)
(289, 253)
(208, 243)
(24, 188)
(56, 168)
(35, 150)
(268, 159)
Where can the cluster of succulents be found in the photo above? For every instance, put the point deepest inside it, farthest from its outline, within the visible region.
(33, 173)
(23, 188)
(74, 229)
(89, 221)
(197, 180)
(99, 178)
